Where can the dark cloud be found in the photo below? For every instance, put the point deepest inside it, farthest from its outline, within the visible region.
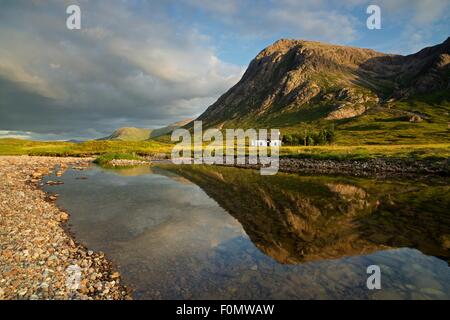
(123, 68)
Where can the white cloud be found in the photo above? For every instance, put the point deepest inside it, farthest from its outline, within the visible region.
(417, 12)
(312, 19)
(326, 25)
(28, 135)
(15, 134)
(124, 64)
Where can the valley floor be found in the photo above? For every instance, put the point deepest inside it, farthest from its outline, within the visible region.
(39, 259)
(156, 149)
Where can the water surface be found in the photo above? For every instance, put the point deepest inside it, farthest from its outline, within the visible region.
(204, 232)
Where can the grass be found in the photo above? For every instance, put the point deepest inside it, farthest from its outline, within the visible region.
(104, 159)
(393, 127)
(364, 152)
(149, 148)
(88, 148)
(381, 125)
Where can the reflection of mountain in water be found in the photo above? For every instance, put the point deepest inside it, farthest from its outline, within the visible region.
(295, 219)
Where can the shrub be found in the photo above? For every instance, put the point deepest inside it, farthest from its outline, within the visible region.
(108, 157)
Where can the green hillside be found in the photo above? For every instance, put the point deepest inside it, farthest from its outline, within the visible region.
(142, 134)
(129, 134)
(363, 96)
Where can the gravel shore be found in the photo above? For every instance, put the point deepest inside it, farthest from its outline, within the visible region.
(126, 163)
(39, 259)
(378, 167)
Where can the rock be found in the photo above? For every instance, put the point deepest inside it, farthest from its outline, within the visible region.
(52, 198)
(415, 118)
(36, 175)
(346, 110)
(369, 168)
(22, 292)
(98, 286)
(54, 183)
(125, 163)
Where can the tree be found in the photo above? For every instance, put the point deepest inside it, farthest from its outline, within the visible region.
(330, 135)
(297, 139)
(305, 139)
(287, 139)
(321, 137)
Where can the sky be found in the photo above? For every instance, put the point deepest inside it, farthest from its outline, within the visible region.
(151, 63)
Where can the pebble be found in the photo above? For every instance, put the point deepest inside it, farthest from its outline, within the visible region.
(36, 250)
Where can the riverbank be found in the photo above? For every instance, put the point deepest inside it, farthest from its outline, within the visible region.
(364, 168)
(377, 167)
(39, 259)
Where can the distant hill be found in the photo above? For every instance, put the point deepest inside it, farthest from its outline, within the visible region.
(129, 134)
(166, 130)
(293, 82)
(142, 134)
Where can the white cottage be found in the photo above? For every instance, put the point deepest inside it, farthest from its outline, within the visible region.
(275, 143)
(265, 143)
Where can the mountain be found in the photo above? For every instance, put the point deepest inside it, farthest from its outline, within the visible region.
(165, 130)
(295, 81)
(141, 134)
(129, 134)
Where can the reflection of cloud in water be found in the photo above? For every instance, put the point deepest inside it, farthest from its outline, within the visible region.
(134, 171)
(194, 234)
(131, 171)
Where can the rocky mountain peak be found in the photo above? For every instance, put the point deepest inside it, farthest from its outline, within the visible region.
(291, 76)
